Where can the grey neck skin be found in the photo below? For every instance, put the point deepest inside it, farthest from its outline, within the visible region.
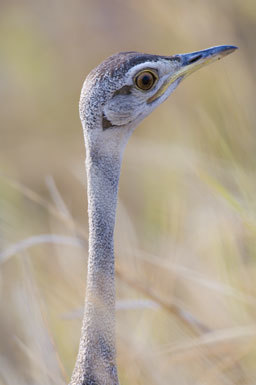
(96, 361)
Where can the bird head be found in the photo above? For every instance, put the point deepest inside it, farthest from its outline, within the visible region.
(125, 88)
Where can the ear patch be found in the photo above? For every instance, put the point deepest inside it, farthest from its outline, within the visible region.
(106, 123)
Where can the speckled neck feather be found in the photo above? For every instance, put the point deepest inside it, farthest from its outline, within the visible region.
(96, 362)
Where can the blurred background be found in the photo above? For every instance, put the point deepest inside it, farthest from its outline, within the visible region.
(186, 223)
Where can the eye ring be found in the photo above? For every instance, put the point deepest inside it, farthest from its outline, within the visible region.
(145, 80)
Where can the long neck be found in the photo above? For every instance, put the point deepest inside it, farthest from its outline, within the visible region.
(96, 361)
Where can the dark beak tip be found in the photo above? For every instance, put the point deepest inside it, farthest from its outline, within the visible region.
(228, 50)
(232, 48)
(221, 50)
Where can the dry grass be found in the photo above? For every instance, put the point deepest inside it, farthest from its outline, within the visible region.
(186, 223)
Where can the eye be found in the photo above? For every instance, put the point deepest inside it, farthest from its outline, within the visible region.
(145, 80)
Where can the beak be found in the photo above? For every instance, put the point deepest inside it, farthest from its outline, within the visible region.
(190, 62)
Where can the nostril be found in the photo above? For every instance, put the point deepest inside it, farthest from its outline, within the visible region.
(195, 58)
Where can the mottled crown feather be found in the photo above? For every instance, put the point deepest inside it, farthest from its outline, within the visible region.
(119, 63)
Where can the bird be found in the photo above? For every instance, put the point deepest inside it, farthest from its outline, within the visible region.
(116, 96)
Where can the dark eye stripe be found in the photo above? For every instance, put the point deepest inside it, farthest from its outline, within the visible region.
(125, 90)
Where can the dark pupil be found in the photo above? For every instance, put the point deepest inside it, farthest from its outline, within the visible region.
(146, 80)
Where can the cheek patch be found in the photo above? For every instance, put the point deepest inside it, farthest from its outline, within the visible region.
(122, 109)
